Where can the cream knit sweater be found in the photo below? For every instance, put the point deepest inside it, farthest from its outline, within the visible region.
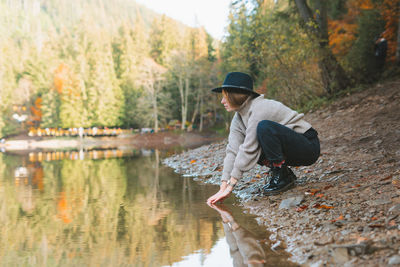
(243, 150)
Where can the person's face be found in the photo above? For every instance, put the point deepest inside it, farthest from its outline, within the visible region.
(226, 104)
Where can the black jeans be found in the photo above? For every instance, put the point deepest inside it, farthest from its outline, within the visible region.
(279, 143)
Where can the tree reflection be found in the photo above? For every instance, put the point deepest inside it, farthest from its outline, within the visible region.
(114, 211)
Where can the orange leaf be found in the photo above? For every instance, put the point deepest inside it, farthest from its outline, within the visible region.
(374, 218)
(326, 207)
(301, 208)
(192, 161)
(319, 206)
(338, 218)
(312, 191)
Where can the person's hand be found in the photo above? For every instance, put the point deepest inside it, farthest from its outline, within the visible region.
(219, 196)
(222, 187)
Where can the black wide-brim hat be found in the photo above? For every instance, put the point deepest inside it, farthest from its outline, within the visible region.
(237, 82)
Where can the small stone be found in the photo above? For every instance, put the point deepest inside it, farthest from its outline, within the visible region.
(317, 264)
(395, 209)
(350, 263)
(378, 202)
(339, 223)
(394, 260)
(291, 202)
(340, 255)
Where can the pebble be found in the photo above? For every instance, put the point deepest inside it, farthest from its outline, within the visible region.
(340, 255)
(291, 202)
(378, 202)
(395, 209)
(395, 260)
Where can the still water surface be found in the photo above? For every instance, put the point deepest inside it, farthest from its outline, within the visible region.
(118, 208)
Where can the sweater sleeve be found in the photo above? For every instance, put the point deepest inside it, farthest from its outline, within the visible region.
(235, 139)
(249, 151)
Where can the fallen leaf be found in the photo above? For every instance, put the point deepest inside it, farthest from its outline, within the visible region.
(301, 208)
(192, 161)
(326, 207)
(387, 177)
(338, 218)
(374, 218)
(376, 225)
(327, 187)
(319, 206)
(312, 191)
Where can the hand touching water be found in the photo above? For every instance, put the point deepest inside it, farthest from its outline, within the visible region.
(224, 191)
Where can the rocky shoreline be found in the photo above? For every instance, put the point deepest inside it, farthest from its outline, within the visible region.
(345, 208)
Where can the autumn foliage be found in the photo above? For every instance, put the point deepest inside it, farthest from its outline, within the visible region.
(390, 12)
(343, 32)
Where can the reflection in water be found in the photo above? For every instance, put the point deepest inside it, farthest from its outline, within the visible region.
(81, 154)
(103, 212)
(247, 244)
(112, 212)
(244, 247)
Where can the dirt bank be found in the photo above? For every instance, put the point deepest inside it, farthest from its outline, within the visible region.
(345, 209)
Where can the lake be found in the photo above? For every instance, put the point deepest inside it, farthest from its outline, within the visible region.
(119, 208)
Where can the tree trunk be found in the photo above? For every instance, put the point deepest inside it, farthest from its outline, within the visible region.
(184, 118)
(183, 104)
(196, 109)
(201, 113)
(333, 76)
(155, 112)
(398, 38)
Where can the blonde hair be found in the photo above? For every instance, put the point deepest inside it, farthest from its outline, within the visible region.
(235, 99)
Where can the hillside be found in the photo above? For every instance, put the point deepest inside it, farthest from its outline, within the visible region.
(345, 208)
(46, 15)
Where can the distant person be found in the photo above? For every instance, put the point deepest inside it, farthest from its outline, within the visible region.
(380, 50)
(262, 131)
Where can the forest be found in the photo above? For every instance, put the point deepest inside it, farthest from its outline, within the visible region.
(115, 64)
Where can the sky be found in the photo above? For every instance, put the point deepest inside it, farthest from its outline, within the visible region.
(212, 14)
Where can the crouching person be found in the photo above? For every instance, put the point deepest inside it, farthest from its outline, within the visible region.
(262, 131)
